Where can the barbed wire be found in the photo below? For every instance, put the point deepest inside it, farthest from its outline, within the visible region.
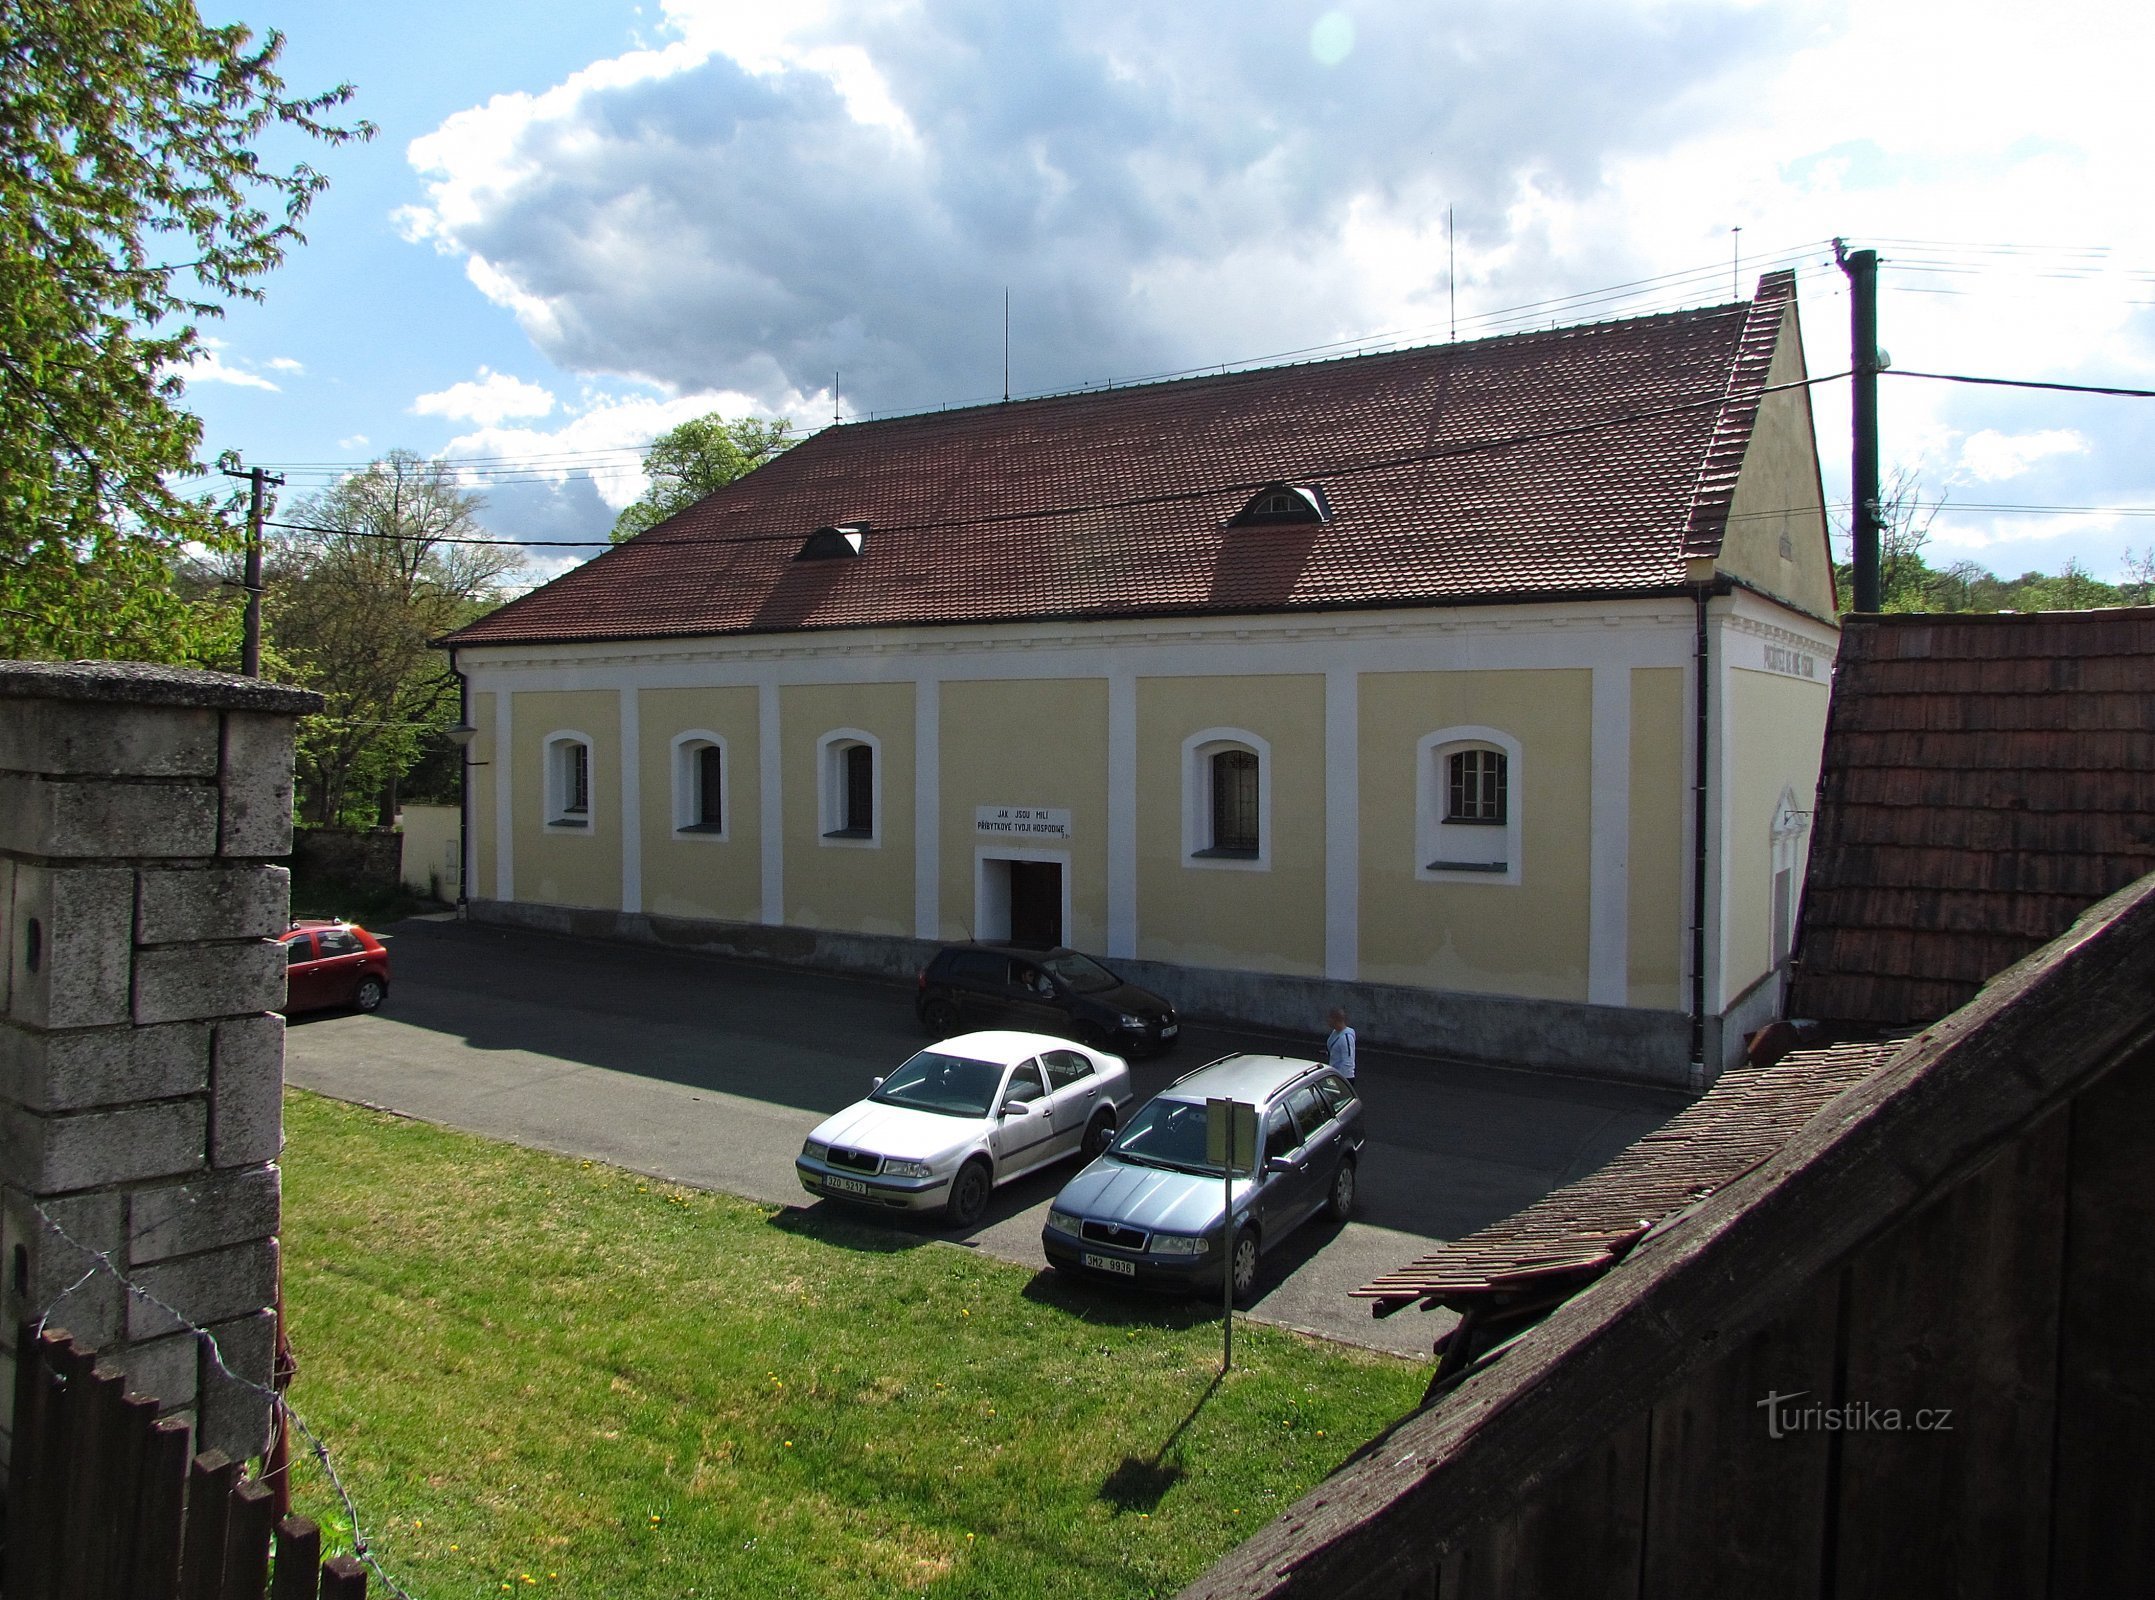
(101, 1261)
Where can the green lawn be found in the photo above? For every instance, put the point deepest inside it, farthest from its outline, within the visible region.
(538, 1372)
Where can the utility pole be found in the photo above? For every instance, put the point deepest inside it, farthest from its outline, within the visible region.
(1451, 271)
(250, 650)
(1863, 362)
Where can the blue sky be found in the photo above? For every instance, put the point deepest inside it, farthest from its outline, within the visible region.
(581, 223)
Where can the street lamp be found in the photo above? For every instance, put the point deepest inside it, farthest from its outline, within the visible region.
(461, 736)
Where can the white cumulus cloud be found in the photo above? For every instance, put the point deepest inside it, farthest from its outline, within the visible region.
(489, 399)
(210, 365)
(766, 196)
(1989, 456)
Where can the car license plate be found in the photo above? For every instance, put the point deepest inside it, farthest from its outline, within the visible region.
(1171, 1030)
(1111, 1264)
(839, 1185)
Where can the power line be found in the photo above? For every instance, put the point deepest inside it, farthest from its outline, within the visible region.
(1663, 291)
(1714, 401)
(2026, 383)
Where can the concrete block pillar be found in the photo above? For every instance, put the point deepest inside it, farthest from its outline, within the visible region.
(143, 811)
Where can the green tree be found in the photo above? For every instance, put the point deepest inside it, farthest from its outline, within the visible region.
(132, 204)
(2138, 589)
(705, 453)
(1905, 581)
(354, 600)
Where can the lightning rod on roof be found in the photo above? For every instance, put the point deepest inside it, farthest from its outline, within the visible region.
(834, 394)
(1006, 344)
(1451, 271)
(1735, 262)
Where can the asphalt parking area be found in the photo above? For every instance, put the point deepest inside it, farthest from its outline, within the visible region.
(710, 1072)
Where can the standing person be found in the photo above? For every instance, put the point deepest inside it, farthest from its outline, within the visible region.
(1339, 1044)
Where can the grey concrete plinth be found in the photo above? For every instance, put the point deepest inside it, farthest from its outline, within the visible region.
(143, 812)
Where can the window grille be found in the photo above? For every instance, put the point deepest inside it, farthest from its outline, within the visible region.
(1234, 802)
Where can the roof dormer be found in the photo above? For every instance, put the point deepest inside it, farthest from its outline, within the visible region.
(1283, 505)
(839, 543)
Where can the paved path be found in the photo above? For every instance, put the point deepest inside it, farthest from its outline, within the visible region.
(710, 1072)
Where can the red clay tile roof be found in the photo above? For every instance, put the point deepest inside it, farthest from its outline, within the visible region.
(1502, 468)
(1581, 1230)
(1986, 779)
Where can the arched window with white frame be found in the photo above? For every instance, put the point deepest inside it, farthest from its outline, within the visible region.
(1467, 806)
(700, 808)
(567, 762)
(1227, 800)
(849, 784)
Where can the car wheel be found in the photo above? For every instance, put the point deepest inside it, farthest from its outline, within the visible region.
(940, 1018)
(1242, 1266)
(1090, 1036)
(968, 1194)
(1098, 1136)
(370, 994)
(1339, 1204)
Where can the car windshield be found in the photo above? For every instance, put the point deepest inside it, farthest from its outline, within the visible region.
(1167, 1133)
(956, 1086)
(1081, 973)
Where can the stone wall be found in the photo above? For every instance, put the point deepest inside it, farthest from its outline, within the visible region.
(142, 811)
(364, 858)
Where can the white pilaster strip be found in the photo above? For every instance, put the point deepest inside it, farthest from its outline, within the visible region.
(632, 819)
(1608, 957)
(504, 796)
(1342, 825)
(927, 807)
(1121, 814)
(1720, 814)
(770, 807)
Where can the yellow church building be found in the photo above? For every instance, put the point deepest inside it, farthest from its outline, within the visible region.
(1479, 688)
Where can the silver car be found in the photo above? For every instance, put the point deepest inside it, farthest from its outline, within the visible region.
(1151, 1210)
(963, 1116)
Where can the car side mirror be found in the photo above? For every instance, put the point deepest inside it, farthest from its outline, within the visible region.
(1016, 1108)
(874, 1084)
(1279, 1164)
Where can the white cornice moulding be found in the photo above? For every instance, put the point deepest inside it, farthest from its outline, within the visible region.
(1106, 637)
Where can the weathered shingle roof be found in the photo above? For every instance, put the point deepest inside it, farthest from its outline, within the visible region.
(1986, 779)
(1588, 460)
(1938, 1107)
(1581, 1230)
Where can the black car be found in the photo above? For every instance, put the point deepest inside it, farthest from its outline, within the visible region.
(968, 987)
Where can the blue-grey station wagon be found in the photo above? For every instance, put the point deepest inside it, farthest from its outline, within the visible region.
(1151, 1211)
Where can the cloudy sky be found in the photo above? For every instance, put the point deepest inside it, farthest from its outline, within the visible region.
(583, 222)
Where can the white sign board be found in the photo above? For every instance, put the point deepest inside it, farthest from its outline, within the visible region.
(1022, 822)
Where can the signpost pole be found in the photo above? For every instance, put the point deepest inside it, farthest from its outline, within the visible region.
(1224, 1124)
(1227, 1244)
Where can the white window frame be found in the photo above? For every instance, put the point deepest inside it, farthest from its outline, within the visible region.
(1197, 753)
(555, 760)
(1432, 797)
(1790, 825)
(831, 788)
(687, 786)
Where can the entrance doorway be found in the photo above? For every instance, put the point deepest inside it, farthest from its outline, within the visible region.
(1036, 903)
(1021, 899)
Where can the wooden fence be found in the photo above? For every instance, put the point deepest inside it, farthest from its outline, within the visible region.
(103, 1500)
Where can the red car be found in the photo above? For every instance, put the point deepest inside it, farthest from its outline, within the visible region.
(333, 964)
